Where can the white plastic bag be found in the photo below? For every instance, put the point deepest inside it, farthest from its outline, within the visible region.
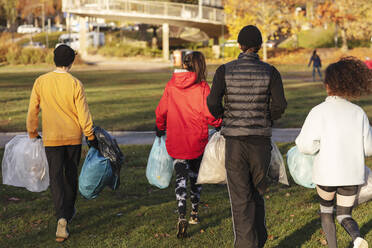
(25, 164)
(300, 167)
(277, 171)
(365, 192)
(159, 168)
(212, 168)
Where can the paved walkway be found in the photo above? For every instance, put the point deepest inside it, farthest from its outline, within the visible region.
(147, 137)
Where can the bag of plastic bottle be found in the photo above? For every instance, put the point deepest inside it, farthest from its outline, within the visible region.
(25, 164)
(277, 171)
(212, 168)
(95, 174)
(159, 168)
(301, 167)
(109, 148)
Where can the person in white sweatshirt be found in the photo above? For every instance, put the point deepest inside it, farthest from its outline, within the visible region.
(339, 133)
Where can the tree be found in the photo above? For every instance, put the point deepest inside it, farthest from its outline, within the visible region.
(10, 11)
(352, 17)
(295, 18)
(268, 15)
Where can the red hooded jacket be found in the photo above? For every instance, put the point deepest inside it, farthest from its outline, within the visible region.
(183, 113)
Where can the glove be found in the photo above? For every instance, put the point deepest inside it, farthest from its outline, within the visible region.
(159, 133)
(92, 143)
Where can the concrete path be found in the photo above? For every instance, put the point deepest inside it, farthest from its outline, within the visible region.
(147, 137)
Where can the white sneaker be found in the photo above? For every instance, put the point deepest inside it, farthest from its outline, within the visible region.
(360, 243)
(62, 232)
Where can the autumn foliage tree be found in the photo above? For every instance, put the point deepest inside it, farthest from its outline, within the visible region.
(270, 16)
(352, 17)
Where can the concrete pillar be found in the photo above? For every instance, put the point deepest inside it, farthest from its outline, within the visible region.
(166, 41)
(83, 36)
(68, 22)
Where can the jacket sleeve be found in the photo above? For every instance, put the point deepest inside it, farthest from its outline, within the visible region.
(214, 100)
(162, 111)
(308, 141)
(367, 137)
(211, 120)
(278, 102)
(311, 60)
(32, 122)
(85, 118)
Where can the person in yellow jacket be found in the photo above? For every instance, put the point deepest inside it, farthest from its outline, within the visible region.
(65, 116)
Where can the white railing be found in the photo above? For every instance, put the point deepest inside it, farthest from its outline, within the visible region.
(166, 10)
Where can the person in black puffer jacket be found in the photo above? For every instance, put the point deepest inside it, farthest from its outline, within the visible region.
(253, 98)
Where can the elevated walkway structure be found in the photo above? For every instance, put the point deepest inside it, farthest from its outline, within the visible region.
(210, 20)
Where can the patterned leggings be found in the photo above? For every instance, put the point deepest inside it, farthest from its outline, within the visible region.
(345, 197)
(187, 169)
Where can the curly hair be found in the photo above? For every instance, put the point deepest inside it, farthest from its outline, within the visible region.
(349, 77)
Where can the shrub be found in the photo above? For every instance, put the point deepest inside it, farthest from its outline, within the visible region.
(32, 56)
(13, 55)
(207, 51)
(231, 52)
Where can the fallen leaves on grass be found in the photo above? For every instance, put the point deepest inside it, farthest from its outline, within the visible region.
(323, 241)
(162, 235)
(270, 237)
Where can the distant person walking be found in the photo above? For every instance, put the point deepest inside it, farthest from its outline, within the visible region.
(253, 98)
(317, 64)
(65, 116)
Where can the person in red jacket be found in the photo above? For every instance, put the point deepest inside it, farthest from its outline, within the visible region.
(183, 113)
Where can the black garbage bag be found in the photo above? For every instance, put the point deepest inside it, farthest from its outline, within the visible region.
(109, 148)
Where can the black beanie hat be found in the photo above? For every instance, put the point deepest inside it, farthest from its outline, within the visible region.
(63, 55)
(250, 36)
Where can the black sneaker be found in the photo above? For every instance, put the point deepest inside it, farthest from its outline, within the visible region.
(194, 218)
(182, 228)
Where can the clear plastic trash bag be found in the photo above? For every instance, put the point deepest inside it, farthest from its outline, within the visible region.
(301, 167)
(25, 164)
(212, 168)
(159, 168)
(277, 171)
(95, 174)
(365, 191)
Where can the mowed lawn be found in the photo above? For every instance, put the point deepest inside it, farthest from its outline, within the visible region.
(126, 100)
(139, 215)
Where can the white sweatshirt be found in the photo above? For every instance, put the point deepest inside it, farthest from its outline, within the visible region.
(340, 132)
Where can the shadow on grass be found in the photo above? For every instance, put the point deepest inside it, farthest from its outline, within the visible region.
(300, 236)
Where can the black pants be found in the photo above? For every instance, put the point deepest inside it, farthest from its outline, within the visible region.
(187, 169)
(63, 162)
(247, 162)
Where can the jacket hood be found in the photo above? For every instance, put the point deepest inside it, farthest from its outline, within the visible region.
(183, 78)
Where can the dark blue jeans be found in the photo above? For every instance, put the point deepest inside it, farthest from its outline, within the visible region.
(320, 74)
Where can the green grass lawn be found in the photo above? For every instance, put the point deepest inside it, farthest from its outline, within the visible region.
(123, 100)
(140, 215)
